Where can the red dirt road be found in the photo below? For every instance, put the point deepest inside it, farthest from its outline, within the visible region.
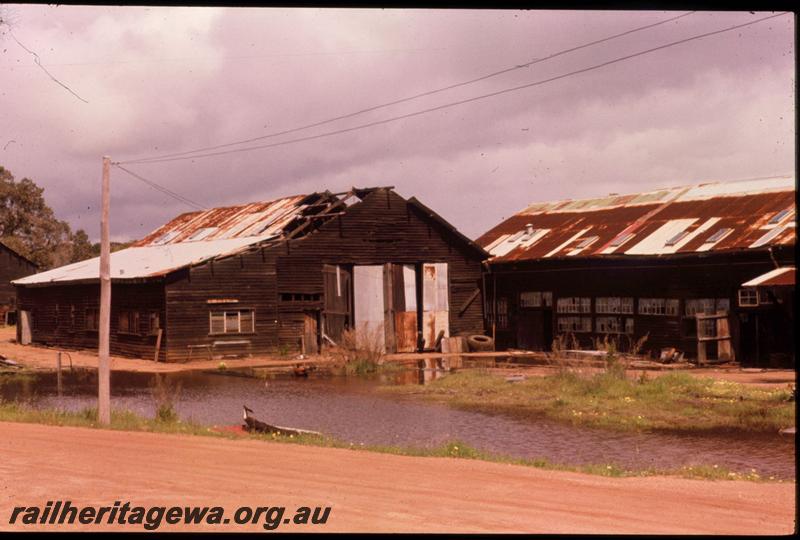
(367, 491)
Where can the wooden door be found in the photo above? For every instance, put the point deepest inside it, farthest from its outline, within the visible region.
(337, 314)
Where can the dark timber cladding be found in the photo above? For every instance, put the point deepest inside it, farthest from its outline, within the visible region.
(286, 275)
(12, 266)
(671, 265)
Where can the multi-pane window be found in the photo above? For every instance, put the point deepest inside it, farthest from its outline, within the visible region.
(607, 325)
(574, 304)
(613, 304)
(128, 322)
(629, 325)
(241, 321)
(613, 325)
(574, 324)
(748, 297)
(502, 313)
(707, 306)
(530, 299)
(658, 306)
(534, 299)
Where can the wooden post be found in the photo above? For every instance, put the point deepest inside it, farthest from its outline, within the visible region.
(103, 367)
(494, 308)
(390, 341)
(58, 373)
(158, 344)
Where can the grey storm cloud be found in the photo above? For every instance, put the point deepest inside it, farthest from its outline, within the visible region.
(165, 80)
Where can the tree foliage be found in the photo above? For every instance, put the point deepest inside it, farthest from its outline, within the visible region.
(29, 226)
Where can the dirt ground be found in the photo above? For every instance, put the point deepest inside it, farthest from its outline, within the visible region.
(36, 357)
(366, 491)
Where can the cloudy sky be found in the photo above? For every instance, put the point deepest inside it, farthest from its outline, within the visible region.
(165, 80)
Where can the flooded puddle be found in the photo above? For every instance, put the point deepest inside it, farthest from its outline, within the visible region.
(354, 410)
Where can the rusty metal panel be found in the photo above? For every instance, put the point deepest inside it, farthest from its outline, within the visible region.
(750, 209)
(435, 302)
(406, 331)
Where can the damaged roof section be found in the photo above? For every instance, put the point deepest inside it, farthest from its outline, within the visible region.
(196, 237)
(691, 219)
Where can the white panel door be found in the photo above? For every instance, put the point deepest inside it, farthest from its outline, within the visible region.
(368, 305)
(435, 302)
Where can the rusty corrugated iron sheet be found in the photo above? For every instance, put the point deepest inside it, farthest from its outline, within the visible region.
(247, 220)
(707, 217)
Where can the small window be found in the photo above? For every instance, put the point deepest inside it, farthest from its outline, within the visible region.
(153, 322)
(530, 299)
(613, 304)
(700, 305)
(515, 237)
(607, 325)
(629, 325)
(777, 218)
(574, 305)
(217, 321)
(748, 297)
(574, 324)
(165, 238)
(202, 234)
(717, 236)
(621, 239)
(128, 322)
(707, 328)
(502, 313)
(586, 242)
(677, 238)
(232, 322)
(92, 317)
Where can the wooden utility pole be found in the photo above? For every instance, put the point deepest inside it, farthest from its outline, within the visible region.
(103, 368)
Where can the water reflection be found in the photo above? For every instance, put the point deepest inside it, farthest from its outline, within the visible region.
(353, 409)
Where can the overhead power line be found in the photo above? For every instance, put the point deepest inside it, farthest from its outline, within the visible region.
(38, 62)
(463, 101)
(162, 189)
(423, 94)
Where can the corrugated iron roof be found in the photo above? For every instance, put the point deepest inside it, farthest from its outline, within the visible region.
(773, 278)
(707, 217)
(142, 262)
(192, 238)
(247, 220)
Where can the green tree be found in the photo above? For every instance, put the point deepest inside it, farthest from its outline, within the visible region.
(82, 248)
(29, 226)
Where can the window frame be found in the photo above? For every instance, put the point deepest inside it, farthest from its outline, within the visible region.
(574, 304)
(136, 331)
(224, 313)
(756, 295)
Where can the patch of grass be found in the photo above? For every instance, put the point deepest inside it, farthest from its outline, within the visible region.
(123, 420)
(676, 402)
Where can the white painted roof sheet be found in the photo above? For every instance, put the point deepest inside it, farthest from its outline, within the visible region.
(144, 261)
